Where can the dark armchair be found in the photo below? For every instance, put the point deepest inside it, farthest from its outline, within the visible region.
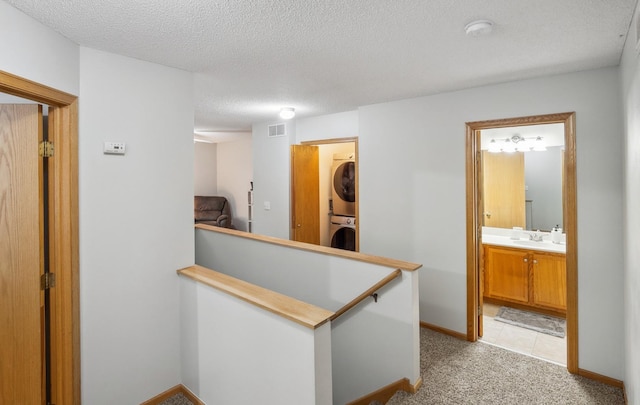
(212, 210)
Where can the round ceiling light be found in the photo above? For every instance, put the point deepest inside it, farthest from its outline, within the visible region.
(479, 27)
(287, 113)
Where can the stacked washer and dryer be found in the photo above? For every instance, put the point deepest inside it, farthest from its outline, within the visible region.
(343, 193)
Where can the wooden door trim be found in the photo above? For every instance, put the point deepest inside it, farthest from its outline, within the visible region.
(63, 169)
(330, 141)
(569, 214)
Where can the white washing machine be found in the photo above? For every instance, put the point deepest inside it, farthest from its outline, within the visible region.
(343, 184)
(342, 232)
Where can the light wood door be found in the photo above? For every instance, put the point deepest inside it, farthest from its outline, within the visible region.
(506, 274)
(305, 194)
(549, 278)
(21, 363)
(503, 189)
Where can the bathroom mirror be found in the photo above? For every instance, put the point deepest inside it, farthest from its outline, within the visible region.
(522, 176)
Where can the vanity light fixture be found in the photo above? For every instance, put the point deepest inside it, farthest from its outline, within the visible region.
(509, 146)
(494, 147)
(286, 113)
(538, 145)
(516, 143)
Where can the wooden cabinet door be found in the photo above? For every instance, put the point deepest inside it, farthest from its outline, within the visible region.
(549, 278)
(506, 274)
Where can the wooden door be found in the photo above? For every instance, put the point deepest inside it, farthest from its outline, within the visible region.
(21, 352)
(506, 274)
(305, 194)
(549, 281)
(503, 189)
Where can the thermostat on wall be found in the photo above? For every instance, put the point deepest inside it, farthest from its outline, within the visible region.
(114, 148)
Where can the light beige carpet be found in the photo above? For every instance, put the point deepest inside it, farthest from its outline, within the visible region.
(178, 399)
(459, 372)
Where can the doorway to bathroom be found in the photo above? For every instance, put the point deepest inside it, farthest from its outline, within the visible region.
(513, 236)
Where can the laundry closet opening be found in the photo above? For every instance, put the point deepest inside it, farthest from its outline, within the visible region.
(324, 193)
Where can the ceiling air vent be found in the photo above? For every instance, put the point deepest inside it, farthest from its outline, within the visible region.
(276, 130)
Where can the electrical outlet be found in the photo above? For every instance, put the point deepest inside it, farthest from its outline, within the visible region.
(114, 148)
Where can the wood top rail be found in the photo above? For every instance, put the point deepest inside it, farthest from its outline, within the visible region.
(295, 310)
(382, 261)
(367, 293)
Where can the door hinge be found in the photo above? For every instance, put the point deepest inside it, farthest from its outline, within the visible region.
(47, 281)
(479, 309)
(46, 149)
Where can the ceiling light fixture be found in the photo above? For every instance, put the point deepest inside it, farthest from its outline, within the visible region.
(286, 113)
(478, 28)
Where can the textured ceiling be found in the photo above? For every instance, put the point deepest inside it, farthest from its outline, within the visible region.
(323, 56)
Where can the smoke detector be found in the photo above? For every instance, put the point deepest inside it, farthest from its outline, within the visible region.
(478, 28)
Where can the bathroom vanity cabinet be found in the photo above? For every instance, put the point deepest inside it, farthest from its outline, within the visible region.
(527, 277)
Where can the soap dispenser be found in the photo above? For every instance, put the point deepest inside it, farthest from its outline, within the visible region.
(556, 234)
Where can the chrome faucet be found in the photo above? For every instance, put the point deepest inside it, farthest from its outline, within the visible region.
(536, 236)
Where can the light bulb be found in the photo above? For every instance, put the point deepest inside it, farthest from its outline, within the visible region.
(493, 146)
(538, 146)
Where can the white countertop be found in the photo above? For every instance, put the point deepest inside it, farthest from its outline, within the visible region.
(522, 243)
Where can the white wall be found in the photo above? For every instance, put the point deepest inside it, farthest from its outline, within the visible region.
(234, 352)
(235, 173)
(322, 280)
(412, 194)
(33, 51)
(271, 167)
(380, 337)
(413, 205)
(630, 68)
(136, 224)
(205, 168)
(332, 126)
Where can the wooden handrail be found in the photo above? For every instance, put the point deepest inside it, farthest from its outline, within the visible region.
(303, 313)
(362, 257)
(366, 294)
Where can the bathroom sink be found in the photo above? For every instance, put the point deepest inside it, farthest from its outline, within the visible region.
(531, 243)
(542, 245)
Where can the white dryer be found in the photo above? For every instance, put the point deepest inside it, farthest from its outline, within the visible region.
(343, 184)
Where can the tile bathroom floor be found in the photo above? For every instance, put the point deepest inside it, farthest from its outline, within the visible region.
(521, 340)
